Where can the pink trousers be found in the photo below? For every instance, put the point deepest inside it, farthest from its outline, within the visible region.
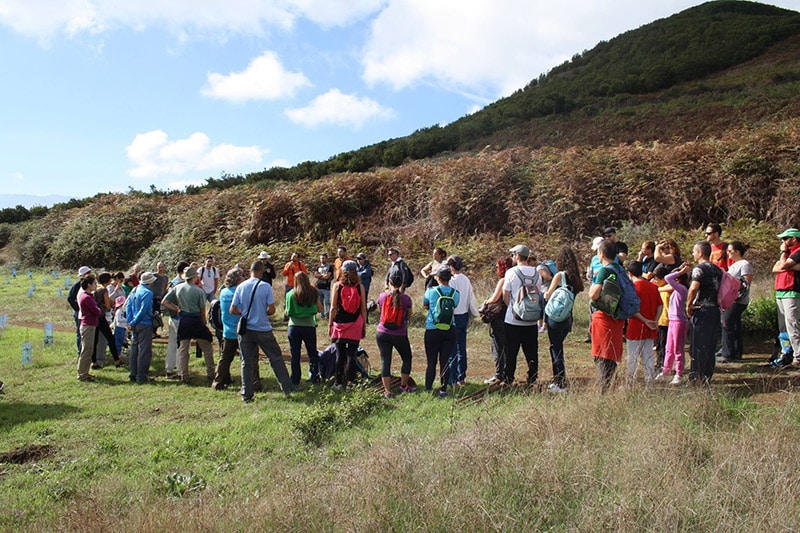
(674, 353)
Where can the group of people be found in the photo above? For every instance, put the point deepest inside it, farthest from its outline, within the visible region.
(675, 299)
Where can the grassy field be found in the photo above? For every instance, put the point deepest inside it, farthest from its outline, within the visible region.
(111, 455)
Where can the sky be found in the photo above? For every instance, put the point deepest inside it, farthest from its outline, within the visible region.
(105, 96)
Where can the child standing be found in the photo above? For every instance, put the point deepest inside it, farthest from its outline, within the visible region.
(678, 325)
(120, 323)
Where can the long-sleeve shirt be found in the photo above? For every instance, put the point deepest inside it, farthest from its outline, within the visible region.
(677, 301)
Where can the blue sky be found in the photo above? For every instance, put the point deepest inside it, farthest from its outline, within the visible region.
(102, 95)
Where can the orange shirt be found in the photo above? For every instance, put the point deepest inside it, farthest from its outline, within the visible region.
(290, 268)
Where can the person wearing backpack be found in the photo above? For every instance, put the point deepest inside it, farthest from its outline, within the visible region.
(392, 333)
(521, 282)
(567, 276)
(230, 342)
(741, 269)
(302, 306)
(348, 323)
(605, 329)
(440, 333)
(209, 278)
(704, 314)
(398, 263)
(467, 307)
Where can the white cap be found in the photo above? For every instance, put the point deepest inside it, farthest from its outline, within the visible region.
(597, 242)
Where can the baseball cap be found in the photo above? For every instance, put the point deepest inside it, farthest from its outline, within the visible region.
(791, 232)
(350, 266)
(596, 243)
(521, 249)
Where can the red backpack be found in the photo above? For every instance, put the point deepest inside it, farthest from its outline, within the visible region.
(391, 316)
(349, 304)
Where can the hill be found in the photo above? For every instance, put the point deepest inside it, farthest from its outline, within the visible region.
(718, 143)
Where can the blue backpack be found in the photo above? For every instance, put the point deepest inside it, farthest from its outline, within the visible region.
(628, 301)
(559, 306)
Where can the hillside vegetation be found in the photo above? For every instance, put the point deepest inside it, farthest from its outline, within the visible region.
(719, 147)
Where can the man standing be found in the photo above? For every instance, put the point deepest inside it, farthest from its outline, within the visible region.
(364, 272)
(189, 301)
(719, 248)
(519, 332)
(341, 257)
(292, 266)
(209, 278)
(787, 289)
(647, 259)
(610, 234)
(467, 306)
(140, 321)
(703, 313)
(605, 330)
(324, 276)
(255, 302)
(72, 299)
(397, 263)
(431, 268)
(159, 289)
(171, 359)
(269, 269)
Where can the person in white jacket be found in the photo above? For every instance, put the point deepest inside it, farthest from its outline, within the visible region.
(467, 307)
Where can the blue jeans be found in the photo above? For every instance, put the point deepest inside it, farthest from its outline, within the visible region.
(119, 337)
(557, 332)
(299, 335)
(459, 354)
(249, 343)
(141, 352)
(325, 299)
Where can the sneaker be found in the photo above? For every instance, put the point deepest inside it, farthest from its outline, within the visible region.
(542, 328)
(2, 386)
(87, 377)
(442, 393)
(461, 382)
(722, 360)
(349, 388)
(660, 377)
(337, 386)
(388, 395)
(677, 380)
(492, 380)
(96, 366)
(407, 389)
(555, 389)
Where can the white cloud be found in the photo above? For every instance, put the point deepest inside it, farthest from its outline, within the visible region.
(492, 48)
(42, 19)
(153, 154)
(339, 109)
(263, 79)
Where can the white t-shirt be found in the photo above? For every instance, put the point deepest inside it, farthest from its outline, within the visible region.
(738, 270)
(208, 275)
(513, 284)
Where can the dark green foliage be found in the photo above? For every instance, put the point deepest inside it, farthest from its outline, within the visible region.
(761, 317)
(333, 412)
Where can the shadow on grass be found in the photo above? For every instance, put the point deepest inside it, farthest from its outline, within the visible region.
(22, 412)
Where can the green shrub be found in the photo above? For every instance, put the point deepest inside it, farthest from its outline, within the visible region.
(761, 316)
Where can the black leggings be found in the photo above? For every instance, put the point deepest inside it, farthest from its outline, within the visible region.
(385, 344)
(104, 329)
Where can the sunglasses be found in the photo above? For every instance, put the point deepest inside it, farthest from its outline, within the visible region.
(710, 232)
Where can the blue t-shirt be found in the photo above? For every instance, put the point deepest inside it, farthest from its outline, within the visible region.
(257, 318)
(229, 321)
(430, 299)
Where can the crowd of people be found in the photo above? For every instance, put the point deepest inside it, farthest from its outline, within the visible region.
(653, 302)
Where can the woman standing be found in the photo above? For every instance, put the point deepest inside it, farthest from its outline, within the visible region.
(348, 322)
(496, 326)
(440, 335)
(302, 306)
(89, 314)
(230, 341)
(742, 270)
(392, 333)
(569, 276)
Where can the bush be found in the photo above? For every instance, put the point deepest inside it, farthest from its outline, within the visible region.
(761, 316)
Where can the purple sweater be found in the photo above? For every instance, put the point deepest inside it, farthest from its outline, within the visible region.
(677, 301)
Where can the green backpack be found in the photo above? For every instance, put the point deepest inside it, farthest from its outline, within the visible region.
(444, 310)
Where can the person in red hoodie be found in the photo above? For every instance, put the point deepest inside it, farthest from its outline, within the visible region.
(643, 326)
(89, 314)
